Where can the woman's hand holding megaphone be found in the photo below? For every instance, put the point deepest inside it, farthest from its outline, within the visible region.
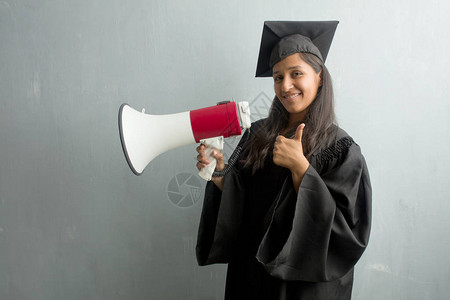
(203, 161)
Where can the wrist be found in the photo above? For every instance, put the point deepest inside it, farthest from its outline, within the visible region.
(298, 172)
(300, 167)
(218, 181)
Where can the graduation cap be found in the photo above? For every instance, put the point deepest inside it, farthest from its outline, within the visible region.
(283, 38)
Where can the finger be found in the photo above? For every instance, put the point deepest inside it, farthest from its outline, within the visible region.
(279, 138)
(299, 132)
(219, 158)
(217, 154)
(201, 153)
(275, 158)
(200, 166)
(200, 148)
(277, 141)
(202, 159)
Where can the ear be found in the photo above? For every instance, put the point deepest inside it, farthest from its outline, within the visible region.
(320, 78)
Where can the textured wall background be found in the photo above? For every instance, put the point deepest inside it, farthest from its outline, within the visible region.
(75, 223)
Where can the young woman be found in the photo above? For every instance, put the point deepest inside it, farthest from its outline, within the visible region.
(292, 217)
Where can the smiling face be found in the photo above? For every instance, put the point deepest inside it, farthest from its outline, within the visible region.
(296, 85)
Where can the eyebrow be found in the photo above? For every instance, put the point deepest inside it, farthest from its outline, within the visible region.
(290, 68)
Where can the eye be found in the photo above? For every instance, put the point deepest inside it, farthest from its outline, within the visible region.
(297, 74)
(278, 78)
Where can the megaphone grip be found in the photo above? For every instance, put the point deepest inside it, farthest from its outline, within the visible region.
(211, 144)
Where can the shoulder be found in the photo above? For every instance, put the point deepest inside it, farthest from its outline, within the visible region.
(342, 148)
(255, 128)
(341, 133)
(258, 124)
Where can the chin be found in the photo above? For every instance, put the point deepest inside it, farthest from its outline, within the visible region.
(294, 110)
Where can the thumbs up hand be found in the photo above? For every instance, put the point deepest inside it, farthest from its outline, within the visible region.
(288, 153)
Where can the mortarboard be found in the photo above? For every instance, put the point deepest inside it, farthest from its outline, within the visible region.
(283, 38)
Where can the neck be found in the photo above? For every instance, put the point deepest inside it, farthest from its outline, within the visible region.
(291, 126)
(295, 120)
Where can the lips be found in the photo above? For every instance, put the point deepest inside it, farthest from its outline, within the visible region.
(291, 96)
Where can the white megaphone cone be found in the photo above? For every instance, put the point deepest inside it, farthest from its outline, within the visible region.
(145, 136)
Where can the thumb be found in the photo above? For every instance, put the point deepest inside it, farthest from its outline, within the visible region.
(218, 155)
(299, 132)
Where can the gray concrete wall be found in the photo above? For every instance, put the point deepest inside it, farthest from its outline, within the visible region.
(75, 223)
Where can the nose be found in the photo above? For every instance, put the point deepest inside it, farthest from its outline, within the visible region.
(286, 84)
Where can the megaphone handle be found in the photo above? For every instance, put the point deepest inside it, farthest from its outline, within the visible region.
(211, 144)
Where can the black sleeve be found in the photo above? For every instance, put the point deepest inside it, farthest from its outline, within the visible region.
(320, 233)
(221, 218)
(220, 221)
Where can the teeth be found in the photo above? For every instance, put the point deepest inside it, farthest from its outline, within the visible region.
(291, 96)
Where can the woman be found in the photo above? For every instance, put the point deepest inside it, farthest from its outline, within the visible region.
(292, 217)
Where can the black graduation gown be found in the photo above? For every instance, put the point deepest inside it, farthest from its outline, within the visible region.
(282, 245)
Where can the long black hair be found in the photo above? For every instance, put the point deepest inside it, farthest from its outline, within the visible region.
(320, 121)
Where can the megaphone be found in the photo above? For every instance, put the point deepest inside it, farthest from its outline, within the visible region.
(145, 136)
